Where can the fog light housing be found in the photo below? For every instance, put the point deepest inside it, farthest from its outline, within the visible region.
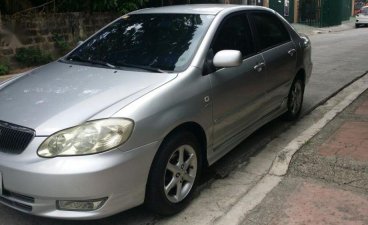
(86, 205)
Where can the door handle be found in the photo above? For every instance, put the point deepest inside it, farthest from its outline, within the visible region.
(259, 67)
(291, 52)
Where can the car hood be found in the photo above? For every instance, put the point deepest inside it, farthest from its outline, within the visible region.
(60, 95)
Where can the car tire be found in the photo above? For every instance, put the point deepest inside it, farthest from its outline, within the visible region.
(356, 25)
(295, 100)
(174, 174)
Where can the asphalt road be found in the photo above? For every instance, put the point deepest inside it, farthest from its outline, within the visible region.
(339, 58)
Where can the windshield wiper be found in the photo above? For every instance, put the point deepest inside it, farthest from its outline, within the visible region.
(91, 61)
(147, 68)
(102, 63)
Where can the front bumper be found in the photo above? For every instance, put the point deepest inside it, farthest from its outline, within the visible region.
(361, 20)
(33, 185)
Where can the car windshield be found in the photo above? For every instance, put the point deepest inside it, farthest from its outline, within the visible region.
(364, 10)
(153, 42)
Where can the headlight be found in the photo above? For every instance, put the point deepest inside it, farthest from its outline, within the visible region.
(88, 138)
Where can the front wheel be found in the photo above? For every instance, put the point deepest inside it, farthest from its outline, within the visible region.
(174, 174)
(295, 100)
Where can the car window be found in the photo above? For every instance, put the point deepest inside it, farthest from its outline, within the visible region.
(269, 29)
(234, 34)
(163, 41)
(364, 10)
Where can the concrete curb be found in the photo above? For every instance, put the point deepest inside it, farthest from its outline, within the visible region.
(281, 163)
(237, 213)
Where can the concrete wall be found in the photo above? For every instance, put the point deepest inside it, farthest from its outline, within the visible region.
(41, 30)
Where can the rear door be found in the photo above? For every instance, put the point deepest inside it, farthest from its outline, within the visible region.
(279, 53)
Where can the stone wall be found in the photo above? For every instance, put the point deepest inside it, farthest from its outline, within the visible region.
(42, 30)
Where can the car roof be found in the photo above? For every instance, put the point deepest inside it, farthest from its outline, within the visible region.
(210, 9)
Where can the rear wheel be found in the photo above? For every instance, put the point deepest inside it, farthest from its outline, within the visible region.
(174, 174)
(295, 100)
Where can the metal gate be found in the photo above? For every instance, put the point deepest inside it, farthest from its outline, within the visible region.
(324, 13)
(310, 12)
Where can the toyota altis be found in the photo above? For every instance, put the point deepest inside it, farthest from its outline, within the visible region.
(135, 112)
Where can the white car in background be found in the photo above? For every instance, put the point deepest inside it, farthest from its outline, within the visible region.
(362, 17)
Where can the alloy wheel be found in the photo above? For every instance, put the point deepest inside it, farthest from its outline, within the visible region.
(296, 98)
(180, 174)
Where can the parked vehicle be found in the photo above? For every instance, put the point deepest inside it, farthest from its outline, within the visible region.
(362, 17)
(135, 112)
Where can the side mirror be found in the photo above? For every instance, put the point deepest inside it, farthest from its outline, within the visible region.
(227, 58)
(305, 42)
(79, 43)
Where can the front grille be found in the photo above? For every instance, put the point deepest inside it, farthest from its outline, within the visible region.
(13, 138)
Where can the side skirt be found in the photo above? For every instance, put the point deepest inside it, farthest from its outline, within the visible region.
(234, 141)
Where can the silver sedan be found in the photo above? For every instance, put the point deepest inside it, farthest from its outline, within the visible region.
(135, 112)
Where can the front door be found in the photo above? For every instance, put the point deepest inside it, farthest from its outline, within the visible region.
(237, 92)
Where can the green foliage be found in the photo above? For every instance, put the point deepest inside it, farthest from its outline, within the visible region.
(32, 57)
(4, 69)
(4, 66)
(61, 44)
(122, 6)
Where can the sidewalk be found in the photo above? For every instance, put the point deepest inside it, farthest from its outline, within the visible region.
(15, 73)
(5, 77)
(309, 30)
(327, 180)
